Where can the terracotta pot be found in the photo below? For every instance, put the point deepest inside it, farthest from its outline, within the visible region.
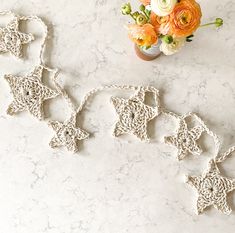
(148, 54)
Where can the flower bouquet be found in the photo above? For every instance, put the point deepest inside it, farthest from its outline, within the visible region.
(164, 25)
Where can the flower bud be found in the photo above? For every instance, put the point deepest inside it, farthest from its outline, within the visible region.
(148, 12)
(142, 7)
(167, 39)
(174, 47)
(218, 22)
(126, 9)
(135, 15)
(141, 19)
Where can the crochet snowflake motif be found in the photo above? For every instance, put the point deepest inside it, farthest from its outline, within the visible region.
(29, 93)
(67, 134)
(134, 115)
(185, 139)
(11, 40)
(212, 189)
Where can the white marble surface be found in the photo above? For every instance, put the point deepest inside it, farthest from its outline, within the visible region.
(114, 185)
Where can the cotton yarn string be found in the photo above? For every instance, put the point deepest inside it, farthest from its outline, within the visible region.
(7, 13)
(45, 31)
(222, 157)
(120, 87)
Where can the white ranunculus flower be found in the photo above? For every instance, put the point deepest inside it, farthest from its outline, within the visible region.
(162, 7)
(164, 28)
(174, 47)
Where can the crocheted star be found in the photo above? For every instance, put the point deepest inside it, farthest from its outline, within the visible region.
(29, 93)
(186, 140)
(212, 189)
(67, 134)
(134, 115)
(11, 40)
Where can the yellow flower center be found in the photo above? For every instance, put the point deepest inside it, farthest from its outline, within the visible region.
(185, 17)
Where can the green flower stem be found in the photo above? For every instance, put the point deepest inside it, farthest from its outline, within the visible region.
(218, 23)
(143, 9)
(207, 24)
(146, 15)
(132, 16)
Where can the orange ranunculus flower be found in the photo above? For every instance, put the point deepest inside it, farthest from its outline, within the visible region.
(142, 35)
(158, 22)
(145, 2)
(185, 18)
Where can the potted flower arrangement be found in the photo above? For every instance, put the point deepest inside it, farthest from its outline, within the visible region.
(164, 26)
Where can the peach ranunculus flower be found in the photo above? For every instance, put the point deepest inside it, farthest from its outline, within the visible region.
(185, 18)
(145, 2)
(142, 35)
(160, 23)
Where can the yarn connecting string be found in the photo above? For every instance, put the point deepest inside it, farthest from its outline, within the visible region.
(45, 31)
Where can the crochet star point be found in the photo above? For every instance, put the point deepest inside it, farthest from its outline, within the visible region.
(11, 39)
(212, 189)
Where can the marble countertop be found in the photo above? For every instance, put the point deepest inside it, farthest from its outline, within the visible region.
(117, 185)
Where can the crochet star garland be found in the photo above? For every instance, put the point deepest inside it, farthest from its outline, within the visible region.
(29, 93)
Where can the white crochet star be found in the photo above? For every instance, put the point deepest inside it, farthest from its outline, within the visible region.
(133, 115)
(29, 93)
(67, 134)
(186, 140)
(212, 189)
(11, 40)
